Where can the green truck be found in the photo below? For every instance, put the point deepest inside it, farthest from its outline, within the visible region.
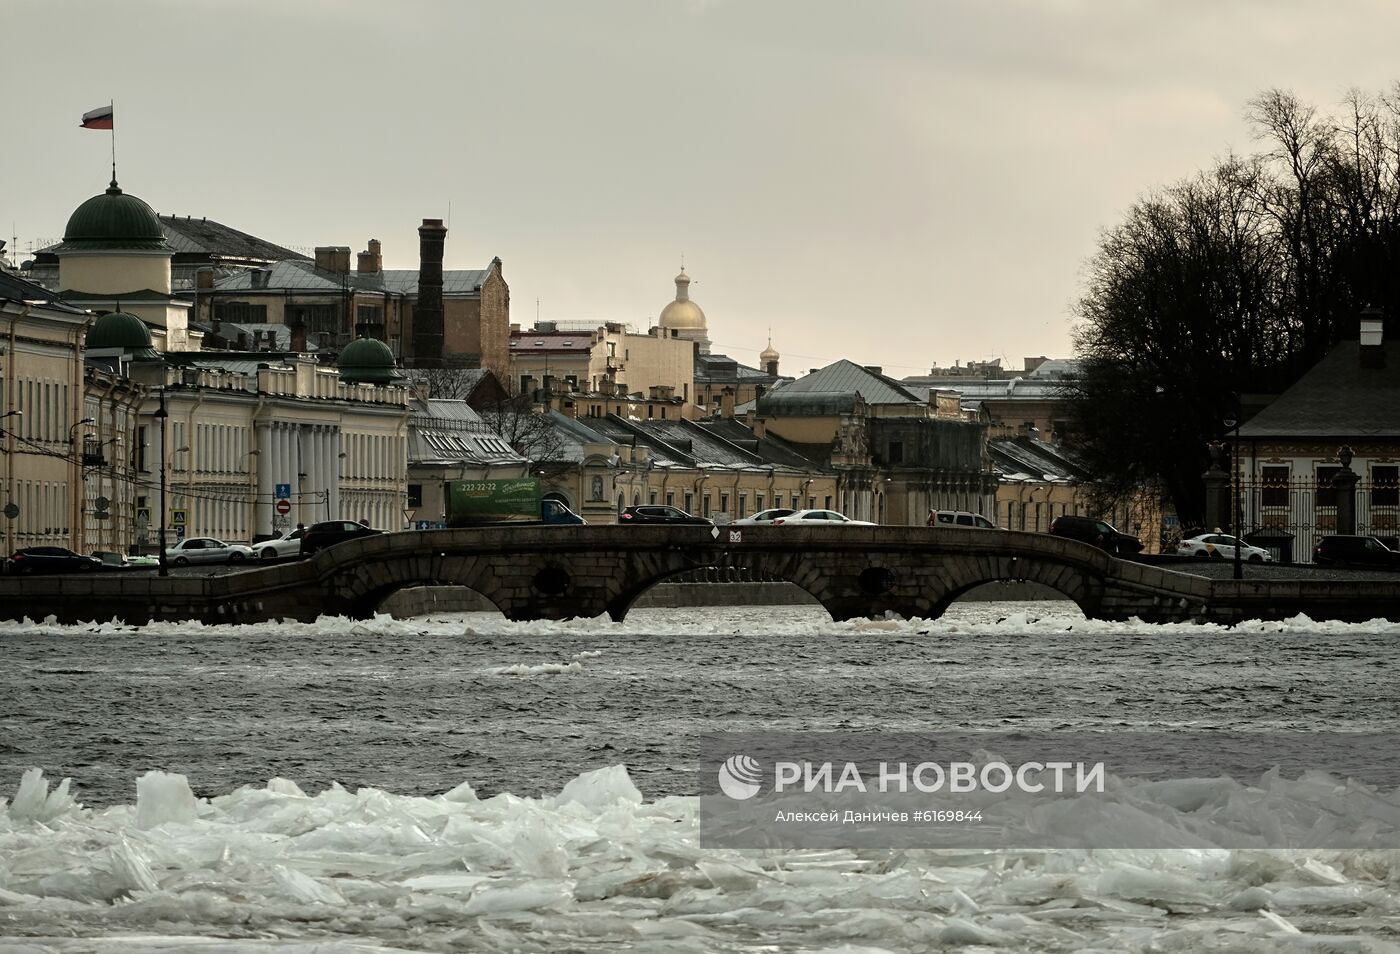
(474, 503)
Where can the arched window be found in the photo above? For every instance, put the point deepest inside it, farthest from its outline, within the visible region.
(621, 503)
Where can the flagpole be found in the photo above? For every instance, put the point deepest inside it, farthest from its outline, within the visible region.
(113, 105)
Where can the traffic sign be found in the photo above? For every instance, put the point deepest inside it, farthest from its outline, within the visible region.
(143, 517)
(284, 506)
(177, 518)
(283, 492)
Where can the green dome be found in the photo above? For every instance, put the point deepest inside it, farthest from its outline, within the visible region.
(366, 361)
(113, 220)
(119, 329)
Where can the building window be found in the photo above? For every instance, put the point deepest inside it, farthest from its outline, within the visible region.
(828, 503)
(723, 503)
(896, 452)
(705, 502)
(315, 318)
(743, 506)
(1273, 491)
(240, 312)
(796, 502)
(757, 502)
(1385, 486)
(1326, 493)
(651, 498)
(415, 495)
(670, 499)
(689, 503)
(369, 315)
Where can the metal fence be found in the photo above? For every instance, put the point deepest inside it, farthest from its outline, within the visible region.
(1289, 516)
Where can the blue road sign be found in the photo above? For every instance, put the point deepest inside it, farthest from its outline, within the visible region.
(284, 492)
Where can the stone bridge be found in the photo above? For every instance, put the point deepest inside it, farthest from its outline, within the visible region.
(550, 572)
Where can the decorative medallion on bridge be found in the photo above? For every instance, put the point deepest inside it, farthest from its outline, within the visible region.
(552, 580)
(876, 580)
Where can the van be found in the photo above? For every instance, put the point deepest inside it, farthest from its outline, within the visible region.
(959, 518)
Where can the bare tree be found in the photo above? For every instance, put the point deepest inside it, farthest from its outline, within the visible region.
(531, 433)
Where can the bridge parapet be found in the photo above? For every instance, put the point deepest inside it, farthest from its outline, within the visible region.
(538, 571)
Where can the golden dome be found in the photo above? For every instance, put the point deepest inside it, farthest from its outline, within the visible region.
(768, 354)
(682, 314)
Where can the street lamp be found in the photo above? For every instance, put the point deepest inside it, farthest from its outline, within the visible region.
(161, 414)
(1234, 423)
(86, 420)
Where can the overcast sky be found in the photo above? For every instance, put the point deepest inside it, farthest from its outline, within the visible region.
(901, 183)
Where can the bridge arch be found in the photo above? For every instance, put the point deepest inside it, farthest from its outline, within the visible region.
(751, 568)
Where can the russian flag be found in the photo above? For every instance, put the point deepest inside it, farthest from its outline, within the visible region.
(100, 118)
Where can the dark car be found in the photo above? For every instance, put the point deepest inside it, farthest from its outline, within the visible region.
(654, 513)
(51, 560)
(1354, 551)
(1096, 532)
(318, 536)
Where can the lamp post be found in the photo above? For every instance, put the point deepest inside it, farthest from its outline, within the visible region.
(71, 439)
(1234, 423)
(160, 415)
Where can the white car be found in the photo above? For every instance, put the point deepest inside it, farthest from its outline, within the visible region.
(1221, 546)
(284, 547)
(819, 518)
(206, 550)
(764, 518)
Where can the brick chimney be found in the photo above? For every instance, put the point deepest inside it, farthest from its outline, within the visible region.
(726, 403)
(333, 258)
(371, 261)
(427, 312)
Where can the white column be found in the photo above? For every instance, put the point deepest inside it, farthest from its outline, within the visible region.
(337, 447)
(265, 462)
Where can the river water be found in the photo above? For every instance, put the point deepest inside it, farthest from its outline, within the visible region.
(400, 709)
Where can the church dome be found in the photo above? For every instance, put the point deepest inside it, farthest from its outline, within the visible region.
(119, 329)
(768, 354)
(113, 221)
(682, 314)
(366, 361)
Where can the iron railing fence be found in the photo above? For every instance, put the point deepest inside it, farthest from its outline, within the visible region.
(1288, 516)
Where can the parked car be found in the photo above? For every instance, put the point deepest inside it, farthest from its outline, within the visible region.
(959, 518)
(286, 546)
(1097, 532)
(1221, 546)
(206, 550)
(1341, 550)
(764, 518)
(656, 513)
(113, 560)
(819, 518)
(328, 533)
(51, 560)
